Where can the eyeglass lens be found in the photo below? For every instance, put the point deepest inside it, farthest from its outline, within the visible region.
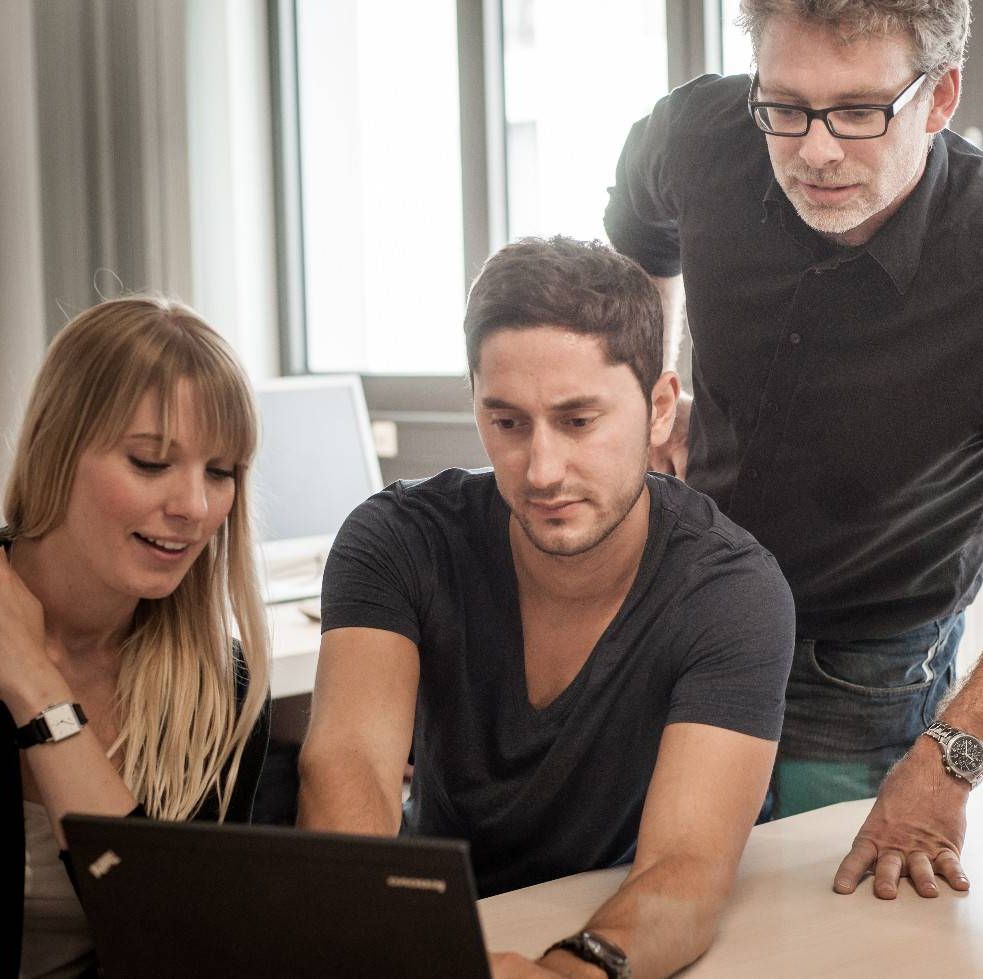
(788, 121)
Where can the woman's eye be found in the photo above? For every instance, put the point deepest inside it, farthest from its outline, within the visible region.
(147, 465)
(216, 472)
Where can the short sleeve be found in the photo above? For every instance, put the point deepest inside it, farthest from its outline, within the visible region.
(734, 632)
(654, 173)
(375, 574)
(640, 219)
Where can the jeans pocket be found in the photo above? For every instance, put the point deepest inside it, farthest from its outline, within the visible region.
(839, 673)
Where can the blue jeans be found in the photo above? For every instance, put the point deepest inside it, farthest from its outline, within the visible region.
(853, 708)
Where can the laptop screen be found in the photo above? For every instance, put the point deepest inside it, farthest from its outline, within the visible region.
(190, 899)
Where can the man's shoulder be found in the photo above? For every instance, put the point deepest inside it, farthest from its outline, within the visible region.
(693, 516)
(453, 487)
(963, 205)
(702, 131)
(454, 497)
(710, 108)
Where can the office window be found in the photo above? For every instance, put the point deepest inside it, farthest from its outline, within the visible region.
(735, 43)
(380, 162)
(577, 75)
(380, 239)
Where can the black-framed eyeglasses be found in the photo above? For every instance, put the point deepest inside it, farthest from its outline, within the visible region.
(843, 121)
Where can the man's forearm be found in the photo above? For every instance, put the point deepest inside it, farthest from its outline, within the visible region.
(965, 708)
(665, 916)
(342, 794)
(673, 324)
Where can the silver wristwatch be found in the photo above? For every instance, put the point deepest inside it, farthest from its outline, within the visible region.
(962, 753)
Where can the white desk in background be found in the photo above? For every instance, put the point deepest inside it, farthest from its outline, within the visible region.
(296, 639)
(783, 919)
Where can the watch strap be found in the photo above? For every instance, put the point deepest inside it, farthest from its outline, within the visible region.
(596, 950)
(38, 730)
(945, 734)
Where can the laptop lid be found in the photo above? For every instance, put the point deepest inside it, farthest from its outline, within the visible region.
(198, 899)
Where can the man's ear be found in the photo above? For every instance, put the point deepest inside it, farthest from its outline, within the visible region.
(945, 98)
(665, 394)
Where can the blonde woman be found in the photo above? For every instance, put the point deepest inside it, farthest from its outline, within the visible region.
(126, 566)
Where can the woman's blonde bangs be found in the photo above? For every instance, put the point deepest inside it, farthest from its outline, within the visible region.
(97, 370)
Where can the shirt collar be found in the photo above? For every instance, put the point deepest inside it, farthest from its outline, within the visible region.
(897, 247)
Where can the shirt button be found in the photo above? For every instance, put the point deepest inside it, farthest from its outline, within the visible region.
(794, 339)
(753, 473)
(817, 271)
(771, 406)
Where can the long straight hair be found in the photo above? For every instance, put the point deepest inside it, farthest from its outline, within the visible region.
(180, 733)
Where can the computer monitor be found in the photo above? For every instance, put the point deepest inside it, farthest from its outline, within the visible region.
(316, 463)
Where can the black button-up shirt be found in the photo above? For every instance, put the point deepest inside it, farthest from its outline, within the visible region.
(838, 409)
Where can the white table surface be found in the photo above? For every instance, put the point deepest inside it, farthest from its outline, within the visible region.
(783, 919)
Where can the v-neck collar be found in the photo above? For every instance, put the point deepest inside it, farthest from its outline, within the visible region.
(506, 585)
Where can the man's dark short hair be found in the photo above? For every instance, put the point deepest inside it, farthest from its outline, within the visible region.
(584, 286)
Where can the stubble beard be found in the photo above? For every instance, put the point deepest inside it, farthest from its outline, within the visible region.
(596, 535)
(898, 173)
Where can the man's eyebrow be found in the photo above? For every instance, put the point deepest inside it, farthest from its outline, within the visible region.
(875, 96)
(581, 403)
(498, 404)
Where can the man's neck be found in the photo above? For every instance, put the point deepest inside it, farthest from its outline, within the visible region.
(606, 570)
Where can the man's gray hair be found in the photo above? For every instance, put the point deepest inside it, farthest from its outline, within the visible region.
(938, 28)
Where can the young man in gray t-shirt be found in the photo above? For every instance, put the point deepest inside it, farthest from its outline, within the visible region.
(589, 661)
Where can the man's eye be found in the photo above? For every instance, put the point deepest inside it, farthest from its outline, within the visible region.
(505, 424)
(147, 465)
(857, 115)
(580, 422)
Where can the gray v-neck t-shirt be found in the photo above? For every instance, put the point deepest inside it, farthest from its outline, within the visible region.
(705, 635)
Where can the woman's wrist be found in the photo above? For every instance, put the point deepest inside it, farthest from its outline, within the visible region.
(28, 698)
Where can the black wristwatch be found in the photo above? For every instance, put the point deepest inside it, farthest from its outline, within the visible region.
(596, 950)
(54, 723)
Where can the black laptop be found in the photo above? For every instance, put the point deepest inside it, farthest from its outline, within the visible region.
(168, 900)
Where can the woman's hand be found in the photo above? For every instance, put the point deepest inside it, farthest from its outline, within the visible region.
(26, 670)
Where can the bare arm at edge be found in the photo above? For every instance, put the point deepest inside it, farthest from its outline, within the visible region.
(352, 761)
(672, 455)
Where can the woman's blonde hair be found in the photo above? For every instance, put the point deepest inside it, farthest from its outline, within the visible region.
(180, 732)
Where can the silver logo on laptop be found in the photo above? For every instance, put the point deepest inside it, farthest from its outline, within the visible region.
(101, 866)
(417, 883)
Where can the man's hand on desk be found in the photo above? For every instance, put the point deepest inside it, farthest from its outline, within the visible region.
(511, 965)
(916, 829)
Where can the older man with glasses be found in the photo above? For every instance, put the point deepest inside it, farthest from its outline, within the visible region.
(829, 232)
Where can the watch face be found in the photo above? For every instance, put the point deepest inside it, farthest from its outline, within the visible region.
(606, 951)
(965, 754)
(62, 722)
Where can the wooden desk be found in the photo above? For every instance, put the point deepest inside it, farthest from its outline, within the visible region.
(783, 919)
(295, 642)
